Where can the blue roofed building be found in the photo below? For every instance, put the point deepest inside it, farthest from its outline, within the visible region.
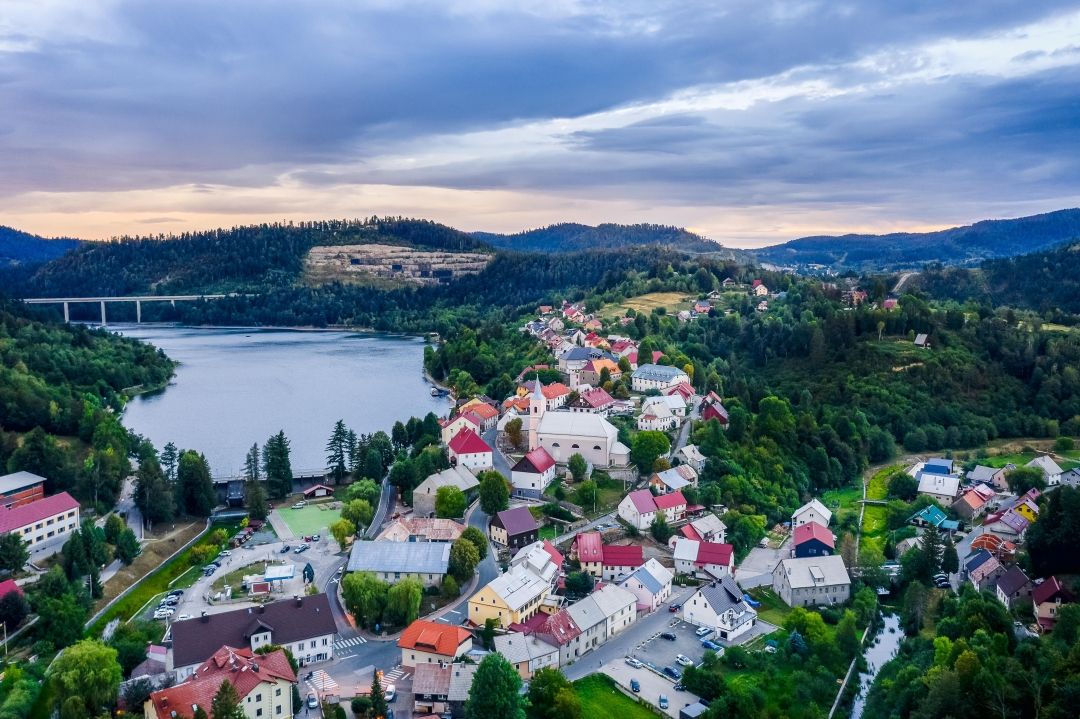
(656, 376)
(394, 561)
(938, 465)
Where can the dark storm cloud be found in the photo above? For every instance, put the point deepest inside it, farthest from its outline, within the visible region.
(232, 93)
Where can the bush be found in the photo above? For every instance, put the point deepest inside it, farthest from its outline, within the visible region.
(1064, 444)
(554, 510)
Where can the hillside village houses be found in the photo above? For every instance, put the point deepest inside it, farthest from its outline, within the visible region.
(713, 408)
(704, 560)
(1047, 599)
(514, 528)
(658, 377)
(424, 494)
(706, 528)
(426, 642)
(468, 450)
(651, 584)
(527, 653)
(510, 598)
(1050, 469)
(532, 474)
(674, 479)
(658, 418)
(421, 529)
(810, 581)
(542, 559)
(689, 454)
(812, 511)
(720, 606)
(639, 508)
(391, 562)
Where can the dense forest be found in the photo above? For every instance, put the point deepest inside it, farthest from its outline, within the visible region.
(966, 245)
(61, 391)
(22, 248)
(1046, 282)
(572, 237)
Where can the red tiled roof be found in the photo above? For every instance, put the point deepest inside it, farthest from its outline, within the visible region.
(314, 487)
(468, 442)
(756, 283)
(1047, 590)
(555, 554)
(519, 403)
(590, 547)
(597, 398)
(240, 667)
(559, 628)
(643, 501)
(690, 533)
(813, 530)
(628, 556)
(19, 517)
(540, 459)
(483, 410)
(670, 500)
(8, 586)
(433, 638)
(714, 553)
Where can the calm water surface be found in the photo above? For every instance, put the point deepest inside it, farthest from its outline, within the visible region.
(883, 648)
(235, 387)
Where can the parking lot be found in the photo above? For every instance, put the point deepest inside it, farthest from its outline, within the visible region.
(756, 569)
(652, 686)
(660, 652)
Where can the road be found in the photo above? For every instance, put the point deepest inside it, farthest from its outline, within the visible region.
(606, 519)
(903, 279)
(684, 431)
(381, 511)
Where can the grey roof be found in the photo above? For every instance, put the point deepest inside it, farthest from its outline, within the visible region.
(692, 711)
(461, 678)
(827, 571)
(657, 372)
(723, 595)
(982, 473)
(647, 580)
(414, 557)
(1071, 478)
(18, 480)
(587, 353)
(1013, 581)
(517, 647)
(586, 613)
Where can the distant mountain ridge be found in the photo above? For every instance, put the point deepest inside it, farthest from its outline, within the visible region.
(962, 246)
(574, 237)
(22, 248)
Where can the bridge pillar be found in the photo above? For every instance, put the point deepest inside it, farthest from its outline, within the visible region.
(103, 322)
(67, 313)
(138, 311)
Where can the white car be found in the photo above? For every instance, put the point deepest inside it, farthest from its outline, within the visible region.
(635, 663)
(389, 693)
(225, 553)
(684, 660)
(182, 617)
(703, 632)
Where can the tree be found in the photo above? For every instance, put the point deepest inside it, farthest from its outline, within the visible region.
(1022, 479)
(170, 457)
(89, 672)
(255, 498)
(113, 526)
(137, 692)
(252, 464)
(365, 597)
(577, 466)
(647, 446)
(661, 530)
(579, 583)
(1052, 540)
(495, 691)
(399, 436)
(450, 587)
(450, 503)
(588, 493)
(336, 452)
(514, 434)
(361, 705)
(127, 546)
(357, 511)
(196, 489)
(378, 698)
(13, 610)
(365, 489)
(545, 696)
(227, 703)
(278, 465)
(61, 618)
(155, 495)
(478, 538)
(847, 635)
(463, 559)
(494, 492)
(13, 553)
(950, 560)
(403, 601)
(903, 486)
(342, 530)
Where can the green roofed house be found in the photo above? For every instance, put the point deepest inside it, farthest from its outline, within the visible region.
(933, 516)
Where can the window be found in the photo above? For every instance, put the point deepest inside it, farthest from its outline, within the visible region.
(574, 446)
(258, 712)
(596, 446)
(258, 697)
(277, 692)
(554, 444)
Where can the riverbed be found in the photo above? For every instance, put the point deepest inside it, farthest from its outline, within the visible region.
(236, 387)
(878, 653)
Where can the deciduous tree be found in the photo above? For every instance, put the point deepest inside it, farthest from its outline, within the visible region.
(495, 691)
(494, 492)
(89, 672)
(450, 503)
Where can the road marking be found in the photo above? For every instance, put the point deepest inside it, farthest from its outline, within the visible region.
(398, 673)
(343, 643)
(322, 681)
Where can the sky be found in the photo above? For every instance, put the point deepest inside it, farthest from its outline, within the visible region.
(750, 122)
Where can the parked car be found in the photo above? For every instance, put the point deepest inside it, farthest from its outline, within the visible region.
(285, 549)
(673, 673)
(299, 505)
(674, 608)
(301, 549)
(635, 663)
(668, 635)
(316, 537)
(710, 644)
(312, 701)
(176, 593)
(182, 617)
(684, 660)
(703, 631)
(663, 701)
(225, 553)
(390, 693)
(635, 685)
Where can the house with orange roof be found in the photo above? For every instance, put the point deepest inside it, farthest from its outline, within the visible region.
(484, 412)
(263, 682)
(593, 370)
(453, 426)
(425, 642)
(555, 394)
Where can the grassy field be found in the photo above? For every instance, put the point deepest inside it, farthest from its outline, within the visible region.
(549, 532)
(312, 519)
(843, 502)
(609, 495)
(772, 609)
(874, 525)
(671, 301)
(236, 576)
(601, 699)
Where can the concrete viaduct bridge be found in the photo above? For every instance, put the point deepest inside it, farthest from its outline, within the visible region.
(138, 300)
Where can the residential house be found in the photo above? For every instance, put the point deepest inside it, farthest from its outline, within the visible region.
(619, 607)
(461, 681)
(451, 427)
(431, 689)
(1048, 597)
(890, 303)
(542, 559)
(943, 488)
(514, 528)
(424, 494)
(575, 359)
(973, 502)
(727, 283)
(318, 491)
(391, 562)
(684, 390)
(1050, 469)
(592, 373)
(706, 528)
(263, 683)
(303, 625)
(705, 560)
(993, 476)
(674, 402)
(555, 394)
(690, 454)
(933, 516)
(762, 306)
(674, 479)
(758, 289)
(922, 340)
(982, 569)
(713, 408)
(510, 598)
(1071, 478)
(639, 508)
(468, 450)
(632, 357)
(812, 511)
(656, 418)
(650, 584)
(1013, 586)
(425, 642)
(421, 529)
(1007, 524)
(592, 622)
(533, 473)
(811, 581)
(21, 488)
(595, 400)
(559, 630)
(528, 654)
(619, 561)
(935, 465)
(487, 414)
(658, 377)
(588, 549)
(44, 525)
(812, 540)
(720, 606)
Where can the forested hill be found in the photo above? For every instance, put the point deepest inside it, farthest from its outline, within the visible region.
(22, 248)
(572, 237)
(965, 246)
(1048, 282)
(250, 258)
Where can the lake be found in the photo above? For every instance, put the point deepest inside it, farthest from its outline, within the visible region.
(235, 387)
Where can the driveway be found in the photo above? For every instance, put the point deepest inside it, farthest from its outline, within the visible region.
(652, 686)
(756, 568)
(607, 519)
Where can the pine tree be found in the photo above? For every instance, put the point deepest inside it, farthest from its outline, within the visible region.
(378, 698)
(278, 466)
(226, 703)
(354, 451)
(196, 488)
(336, 459)
(252, 465)
(255, 496)
(170, 457)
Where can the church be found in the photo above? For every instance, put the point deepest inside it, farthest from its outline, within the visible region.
(564, 434)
